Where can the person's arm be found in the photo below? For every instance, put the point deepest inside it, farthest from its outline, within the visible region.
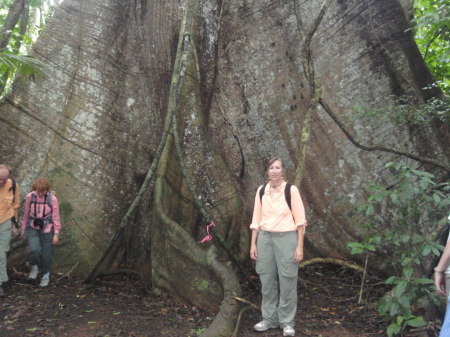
(253, 250)
(16, 203)
(439, 271)
(298, 254)
(255, 225)
(56, 219)
(298, 212)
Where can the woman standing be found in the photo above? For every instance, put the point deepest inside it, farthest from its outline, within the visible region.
(278, 229)
(442, 284)
(41, 225)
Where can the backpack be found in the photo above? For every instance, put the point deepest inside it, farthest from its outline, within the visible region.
(287, 193)
(47, 218)
(13, 188)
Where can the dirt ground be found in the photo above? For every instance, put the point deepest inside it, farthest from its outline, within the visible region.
(119, 306)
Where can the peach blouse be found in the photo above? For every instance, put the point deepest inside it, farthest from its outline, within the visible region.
(273, 214)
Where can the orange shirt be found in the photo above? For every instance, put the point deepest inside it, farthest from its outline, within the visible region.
(274, 214)
(7, 206)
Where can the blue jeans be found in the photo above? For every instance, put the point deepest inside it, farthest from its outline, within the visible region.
(445, 330)
(5, 237)
(40, 249)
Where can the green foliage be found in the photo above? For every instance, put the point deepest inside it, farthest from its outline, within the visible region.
(25, 65)
(406, 242)
(13, 58)
(196, 332)
(405, 111)
(432, 35)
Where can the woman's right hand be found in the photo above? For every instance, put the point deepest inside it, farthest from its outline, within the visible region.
(253, 252)
(439, 281)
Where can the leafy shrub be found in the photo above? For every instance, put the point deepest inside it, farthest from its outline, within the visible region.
(408, 244)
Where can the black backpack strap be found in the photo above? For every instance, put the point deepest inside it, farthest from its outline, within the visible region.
(287, 194)
(261, 192)
(13, 188)
(43, 205)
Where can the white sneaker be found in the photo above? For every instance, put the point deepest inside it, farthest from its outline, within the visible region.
(288, 331)
(33, 273)
(45, 280)
(264, 325)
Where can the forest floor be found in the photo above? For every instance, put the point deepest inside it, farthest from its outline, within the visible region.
(119, 306)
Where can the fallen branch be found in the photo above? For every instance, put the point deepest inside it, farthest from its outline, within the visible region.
(243, 300)
(363, 279)
(70, 271)
(331, 260)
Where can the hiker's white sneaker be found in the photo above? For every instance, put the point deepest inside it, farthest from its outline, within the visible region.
(264, 325)
(45, 280)
(288, 331)
(33, 273)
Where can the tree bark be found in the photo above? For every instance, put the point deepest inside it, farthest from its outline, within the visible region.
(157, 118)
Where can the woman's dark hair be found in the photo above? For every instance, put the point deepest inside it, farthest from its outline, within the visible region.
(273, 160)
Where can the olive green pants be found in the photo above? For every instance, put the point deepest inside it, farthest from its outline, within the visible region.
(278, 273)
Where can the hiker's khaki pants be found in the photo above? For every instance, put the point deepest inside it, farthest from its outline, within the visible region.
(5, 238)
(278, 273)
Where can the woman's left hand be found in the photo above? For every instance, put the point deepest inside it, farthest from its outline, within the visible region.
(298, 254)
(55, 239)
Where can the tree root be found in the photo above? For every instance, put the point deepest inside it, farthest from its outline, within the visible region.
(238, 321)
(224, 320)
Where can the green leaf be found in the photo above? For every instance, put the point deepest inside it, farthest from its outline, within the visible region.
(356, 251)
(369, 210)
(435, 251)
(392, 280)
(389, 164)
(404, 302)
(404, 238)
(362, 207)
(408, 271)
(426, 250)
(394, 309)
(393, 329)
(400, 288)
(436, 198)
(417, 238)
(405, 261)
(423, 280)
(416, 322)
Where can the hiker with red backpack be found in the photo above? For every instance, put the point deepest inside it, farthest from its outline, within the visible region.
(40, 226)
(9, 208)
(278, 229)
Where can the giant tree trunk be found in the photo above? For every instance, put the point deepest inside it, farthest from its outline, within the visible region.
(209, 90)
